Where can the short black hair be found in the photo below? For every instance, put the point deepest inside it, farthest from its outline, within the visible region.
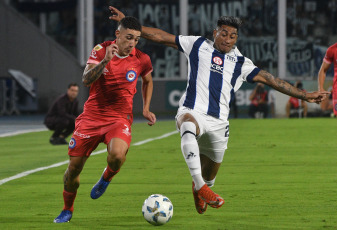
(130, 23)
(230, 21)
(72, 84)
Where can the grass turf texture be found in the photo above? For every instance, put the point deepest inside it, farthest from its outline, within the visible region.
(276, 174)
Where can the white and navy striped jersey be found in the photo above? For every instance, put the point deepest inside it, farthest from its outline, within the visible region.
(213, 77)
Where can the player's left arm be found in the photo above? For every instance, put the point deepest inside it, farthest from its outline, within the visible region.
(286, 88)
(147, 89)
(322, 74)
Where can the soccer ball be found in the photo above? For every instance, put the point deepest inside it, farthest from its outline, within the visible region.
(157, 209)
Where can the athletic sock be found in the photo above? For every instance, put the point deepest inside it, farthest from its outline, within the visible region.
(109, 173)
(190, 150)
(69, 198)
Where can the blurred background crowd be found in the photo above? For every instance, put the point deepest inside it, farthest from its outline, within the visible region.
(310, 28)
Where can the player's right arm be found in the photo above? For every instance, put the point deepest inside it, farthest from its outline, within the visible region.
(93, 71)
(322, 74)
(152, 34)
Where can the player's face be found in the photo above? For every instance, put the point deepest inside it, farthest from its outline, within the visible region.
(127, 40)
(72, 92)
(225, 38)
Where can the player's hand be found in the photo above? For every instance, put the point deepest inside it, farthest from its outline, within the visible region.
(116, 14)
(150, 117)
(111, 51)
(317, 96)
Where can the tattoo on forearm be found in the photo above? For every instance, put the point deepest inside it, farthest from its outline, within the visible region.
(93, 74)
(283, 86)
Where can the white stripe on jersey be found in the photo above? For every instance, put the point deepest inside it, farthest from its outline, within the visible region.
(213, 77)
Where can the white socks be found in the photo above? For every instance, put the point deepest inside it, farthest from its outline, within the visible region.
(190, 150)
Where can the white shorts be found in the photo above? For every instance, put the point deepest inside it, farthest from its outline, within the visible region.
(213, 136)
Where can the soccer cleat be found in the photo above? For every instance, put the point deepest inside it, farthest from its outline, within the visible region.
(210, 197)
(200, 204)
(99, 188)
(64, 217)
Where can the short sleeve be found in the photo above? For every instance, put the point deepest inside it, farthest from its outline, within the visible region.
(147, 65)
(329, 55)
(249, 70)
(185, 43)
(97, 55)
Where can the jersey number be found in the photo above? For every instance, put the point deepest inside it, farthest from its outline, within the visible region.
(227, 131)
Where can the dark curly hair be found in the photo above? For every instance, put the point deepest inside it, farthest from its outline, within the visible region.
(230, 21)
(130, 23)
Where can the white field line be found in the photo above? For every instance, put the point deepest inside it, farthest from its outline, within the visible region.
(22, 132)
(26, 173)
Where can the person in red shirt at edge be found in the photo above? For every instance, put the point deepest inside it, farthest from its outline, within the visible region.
(111, 72)
(329, 58)
(259, 102)
(295, 103)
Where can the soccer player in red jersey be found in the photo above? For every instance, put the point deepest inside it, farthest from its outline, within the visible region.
(330, 58)
(111, 72)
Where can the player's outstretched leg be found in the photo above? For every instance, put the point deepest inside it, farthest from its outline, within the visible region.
(200, 204)
(100, 187)
(210, 197)
(65, 216)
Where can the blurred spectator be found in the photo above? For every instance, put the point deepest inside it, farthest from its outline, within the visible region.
(259, 102)
(271, 102)
(296, 106)
(61, 116)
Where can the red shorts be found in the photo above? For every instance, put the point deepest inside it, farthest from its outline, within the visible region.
(295, 103)
(88, 134)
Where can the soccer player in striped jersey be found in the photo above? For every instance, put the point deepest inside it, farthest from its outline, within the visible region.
(216, 69)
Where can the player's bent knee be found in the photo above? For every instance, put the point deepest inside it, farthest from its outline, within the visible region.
(187, 128)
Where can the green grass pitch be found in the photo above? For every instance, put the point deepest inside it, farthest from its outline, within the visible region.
(276, 174)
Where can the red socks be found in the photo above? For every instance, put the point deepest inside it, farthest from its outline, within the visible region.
(69, 198)
(109, 173)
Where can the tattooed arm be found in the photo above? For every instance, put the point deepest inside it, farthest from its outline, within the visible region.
(92, 71)
(286, 88)
(152, 34)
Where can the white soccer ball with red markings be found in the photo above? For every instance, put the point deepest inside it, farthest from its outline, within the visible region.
(157, 209)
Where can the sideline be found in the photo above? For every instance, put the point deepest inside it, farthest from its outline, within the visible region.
(26, 173)
(22, 132)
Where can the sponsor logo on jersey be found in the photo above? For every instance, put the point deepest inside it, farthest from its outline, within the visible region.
(98, 47)
(131, 75)
(217, 65)
(93, 54)
(72, 143)
(126, 131)
(217, 60)
(81, 135)
(230, 58)
(216, 68)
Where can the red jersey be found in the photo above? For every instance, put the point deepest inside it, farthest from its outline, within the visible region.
(331, 58)
(112, 94)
